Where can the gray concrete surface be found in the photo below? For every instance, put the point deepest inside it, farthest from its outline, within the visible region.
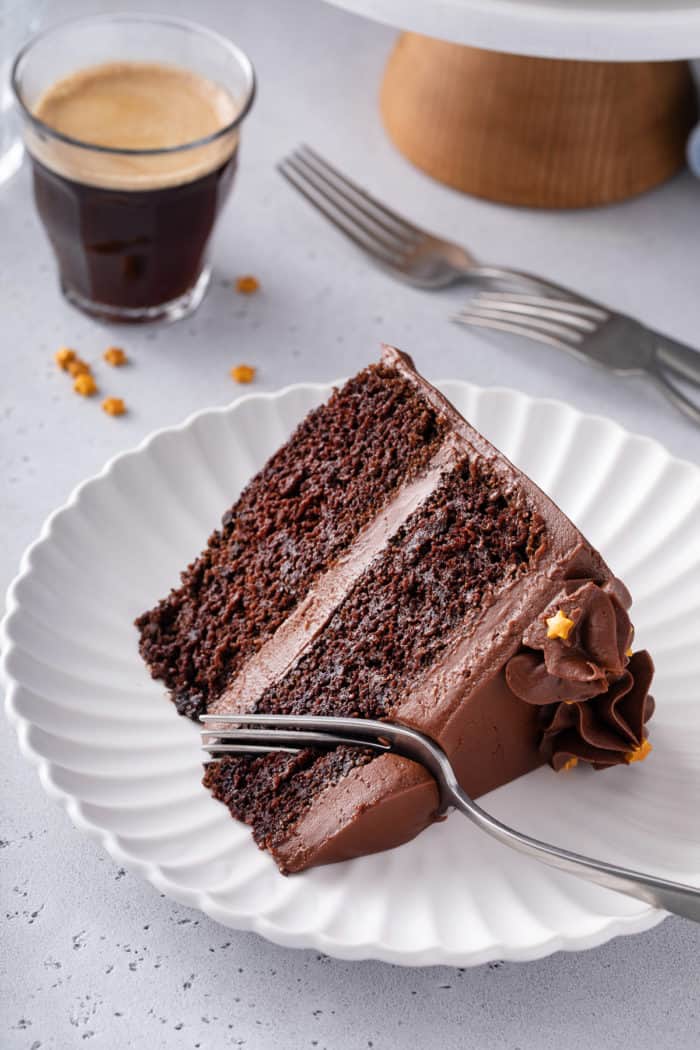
(92, 956)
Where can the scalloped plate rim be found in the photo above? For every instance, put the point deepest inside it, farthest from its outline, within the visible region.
(605, 929)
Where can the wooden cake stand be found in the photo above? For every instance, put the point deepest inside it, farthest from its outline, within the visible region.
(549, 119)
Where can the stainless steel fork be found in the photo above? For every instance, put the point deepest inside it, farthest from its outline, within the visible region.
(398, 246)
(592, 332)
(259, 734)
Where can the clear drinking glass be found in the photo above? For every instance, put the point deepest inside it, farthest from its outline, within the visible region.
(130, 228)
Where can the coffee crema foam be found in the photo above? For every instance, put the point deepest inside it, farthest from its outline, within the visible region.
(135, 106)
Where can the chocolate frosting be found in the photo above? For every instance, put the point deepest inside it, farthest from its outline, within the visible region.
(593, 695)
(464, 701)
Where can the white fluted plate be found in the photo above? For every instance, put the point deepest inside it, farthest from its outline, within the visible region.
(110, 748)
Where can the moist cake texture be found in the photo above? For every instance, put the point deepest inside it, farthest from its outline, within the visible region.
(435, 575)
(388, 562)
(303, 509)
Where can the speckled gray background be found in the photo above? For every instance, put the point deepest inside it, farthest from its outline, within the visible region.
(93, 956)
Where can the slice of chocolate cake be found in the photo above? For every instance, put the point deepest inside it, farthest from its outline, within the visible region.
(388, 562)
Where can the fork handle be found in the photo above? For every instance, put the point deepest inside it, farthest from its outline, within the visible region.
(682, 359)
(676, 396)
(659, 893)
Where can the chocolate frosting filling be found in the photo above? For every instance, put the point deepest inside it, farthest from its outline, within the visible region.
(593, 694)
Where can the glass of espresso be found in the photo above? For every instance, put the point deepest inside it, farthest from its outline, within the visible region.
(132, 124)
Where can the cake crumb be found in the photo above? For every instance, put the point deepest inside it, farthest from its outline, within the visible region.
(243, 373)
(78, 367)
(85, 385)
(559, 626)
(247, 284)
(639, 753)
(569, 764)
(113, 406)
(64, 357)
(115, 356)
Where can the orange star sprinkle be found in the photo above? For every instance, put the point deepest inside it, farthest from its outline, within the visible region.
(85, 385)
(64, 356)
(247, 285)
(115, 356)
(113, 406)
(78, 368)
(559, 626)
(570, 764)
(639, 753)
(243, 374)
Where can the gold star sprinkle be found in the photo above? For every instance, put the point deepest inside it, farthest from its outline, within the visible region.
(243, 374)
(559, 626)
(629, 653)
(113, 406)
(78, 368)
(64, 356)
(570, 764)
(639, 753)
(247, 285)
(85, 385)
(115, 356)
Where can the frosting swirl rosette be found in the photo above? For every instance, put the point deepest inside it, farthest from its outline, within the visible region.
(577, 666)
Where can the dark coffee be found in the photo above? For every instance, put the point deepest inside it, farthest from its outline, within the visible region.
(130, 187)
(128, 248)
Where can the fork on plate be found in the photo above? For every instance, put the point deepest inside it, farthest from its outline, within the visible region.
(593, 332)
(398, 246)
(259, 734)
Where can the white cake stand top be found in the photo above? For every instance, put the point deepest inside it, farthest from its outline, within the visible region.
(613, 30)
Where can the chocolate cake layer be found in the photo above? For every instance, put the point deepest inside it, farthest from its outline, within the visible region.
(429, 603)
(279, 653)
(440, 571)
(270, 792)
(292, 521)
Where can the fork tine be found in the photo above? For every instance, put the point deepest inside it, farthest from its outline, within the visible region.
(507, 324)
(525, 310)
(247, 749)
(571, 336)
(580, 307)
(327, 188)
(358, 731)
(338, 213)
(321, 723)
(406, 228)
(292, 737)
(344, 227)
